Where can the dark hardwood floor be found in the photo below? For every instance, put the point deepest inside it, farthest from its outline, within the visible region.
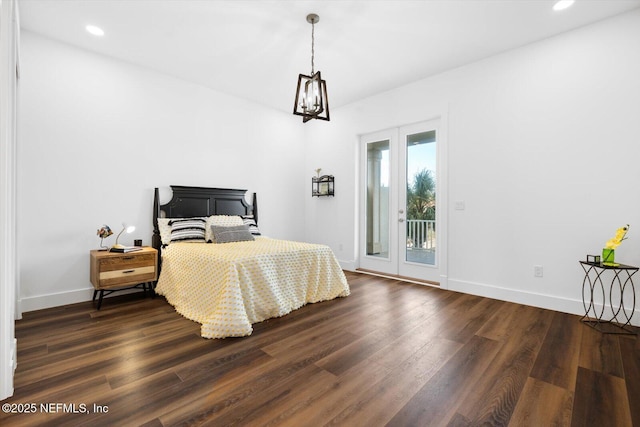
(392, 353)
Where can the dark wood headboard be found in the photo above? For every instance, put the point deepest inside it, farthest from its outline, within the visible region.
(190, 202)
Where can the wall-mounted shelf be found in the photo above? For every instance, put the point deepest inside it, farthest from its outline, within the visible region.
(322, 186)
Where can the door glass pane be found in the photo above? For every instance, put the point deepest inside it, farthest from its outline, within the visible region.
(377, 201)
(421, 198)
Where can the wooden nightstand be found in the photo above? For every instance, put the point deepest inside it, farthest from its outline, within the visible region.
(113, 271)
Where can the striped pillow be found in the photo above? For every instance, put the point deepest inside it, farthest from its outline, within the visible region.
(188, 229)
(251, 224)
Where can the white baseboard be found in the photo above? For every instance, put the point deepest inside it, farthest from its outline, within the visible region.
(40, 302)
(550, 302)
(14, 353)
(347, 265)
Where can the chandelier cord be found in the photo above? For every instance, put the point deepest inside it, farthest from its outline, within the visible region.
(313, 26)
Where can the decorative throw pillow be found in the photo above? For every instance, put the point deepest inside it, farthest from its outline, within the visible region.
(220, 221)
(237, 233)
(188, 229)
(250, 222)
(165, 230)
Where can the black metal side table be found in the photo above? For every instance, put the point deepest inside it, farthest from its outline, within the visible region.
(593, 286)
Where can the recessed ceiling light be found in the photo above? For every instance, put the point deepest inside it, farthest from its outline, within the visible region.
(563, 4)
(96, 31)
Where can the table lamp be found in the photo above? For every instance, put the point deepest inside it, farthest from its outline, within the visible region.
(128, 229)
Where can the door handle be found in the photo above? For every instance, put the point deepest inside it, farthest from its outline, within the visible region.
(400, 211)
(400, 219)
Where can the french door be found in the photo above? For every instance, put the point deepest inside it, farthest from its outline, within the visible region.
(403, 208)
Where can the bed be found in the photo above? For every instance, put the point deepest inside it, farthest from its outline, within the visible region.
(242, 279)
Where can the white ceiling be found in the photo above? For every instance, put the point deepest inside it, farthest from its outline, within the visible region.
(255, 49)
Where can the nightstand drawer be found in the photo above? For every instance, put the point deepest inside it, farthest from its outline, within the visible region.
(126, 261)
(118, 278)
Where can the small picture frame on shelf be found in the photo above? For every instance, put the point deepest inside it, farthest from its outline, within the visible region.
(593, 259)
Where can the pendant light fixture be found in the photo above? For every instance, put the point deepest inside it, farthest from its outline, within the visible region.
(311, 95)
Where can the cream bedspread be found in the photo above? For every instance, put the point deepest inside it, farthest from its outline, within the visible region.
(227, 287)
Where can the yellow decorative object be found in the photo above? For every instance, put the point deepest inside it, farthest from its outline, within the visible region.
(608, 252)
(619, 237)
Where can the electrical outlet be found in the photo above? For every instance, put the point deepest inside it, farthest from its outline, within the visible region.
(537, 271)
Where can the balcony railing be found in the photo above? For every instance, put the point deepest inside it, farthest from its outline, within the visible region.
(421, 234)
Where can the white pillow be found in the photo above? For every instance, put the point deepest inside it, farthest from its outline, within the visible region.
(220, 221)
(165, 230)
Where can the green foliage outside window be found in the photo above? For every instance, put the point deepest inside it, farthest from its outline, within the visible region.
(421, 196)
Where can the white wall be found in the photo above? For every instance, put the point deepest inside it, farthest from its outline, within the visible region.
(97, 135)
(543, 147)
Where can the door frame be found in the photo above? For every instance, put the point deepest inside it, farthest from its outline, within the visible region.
(442, 212)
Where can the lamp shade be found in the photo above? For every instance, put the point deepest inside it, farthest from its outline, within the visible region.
(128, 229)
